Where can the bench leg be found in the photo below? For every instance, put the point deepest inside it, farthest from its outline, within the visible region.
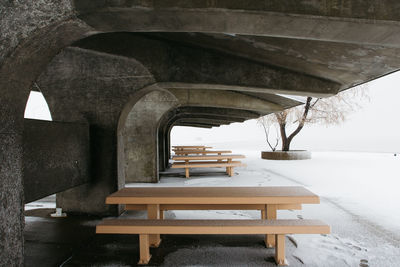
(227, 170)
(280, 250)
(269, 213)
(144, 249)
(161, 215)
(187, 172)
(153, 212)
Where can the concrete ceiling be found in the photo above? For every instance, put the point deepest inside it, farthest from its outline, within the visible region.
(241, 54)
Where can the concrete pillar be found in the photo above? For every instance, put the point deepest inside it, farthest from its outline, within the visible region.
(89, 198)
(11, 179)
(161, 148)
(17, 72)
(138, 134)
(11, 190)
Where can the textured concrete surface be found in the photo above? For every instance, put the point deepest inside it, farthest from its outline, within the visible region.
(19, 19)
(138, 135)
(180, 63)
(11, 200)
(374, 9)
(91, 87)
(56, 157)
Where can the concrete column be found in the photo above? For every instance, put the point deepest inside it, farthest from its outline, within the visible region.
(11, 185)
(161, 148)
(138, 132)
(11, 199)
(89, 198)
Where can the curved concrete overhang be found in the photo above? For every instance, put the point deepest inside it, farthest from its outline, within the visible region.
(346, 46)
(352, 29)
(177, 65)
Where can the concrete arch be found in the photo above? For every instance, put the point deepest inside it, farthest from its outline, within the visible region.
(205, 117)
(137, 134)
(19, 68)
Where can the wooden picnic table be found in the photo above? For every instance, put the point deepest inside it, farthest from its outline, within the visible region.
(205, 161)
(267, 199)
(202, 152)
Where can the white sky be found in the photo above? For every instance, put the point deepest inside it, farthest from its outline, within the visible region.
(36, 107)
(375, 127)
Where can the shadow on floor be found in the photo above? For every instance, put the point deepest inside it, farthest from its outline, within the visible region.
(72, 241)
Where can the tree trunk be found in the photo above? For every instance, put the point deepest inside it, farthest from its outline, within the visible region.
(282, 126)
(285, 140)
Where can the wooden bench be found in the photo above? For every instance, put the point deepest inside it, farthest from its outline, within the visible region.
(219, 158)
(201, 152)
(207, 164)
(144, 228)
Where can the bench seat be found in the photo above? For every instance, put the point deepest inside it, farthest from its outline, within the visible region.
(207, 164)
(144, 228)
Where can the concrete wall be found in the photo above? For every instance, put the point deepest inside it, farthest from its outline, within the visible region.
(138, 135)
(56, 157)
(87, 86)
(32, 32)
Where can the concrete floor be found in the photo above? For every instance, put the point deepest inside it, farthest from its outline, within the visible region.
(72, 241)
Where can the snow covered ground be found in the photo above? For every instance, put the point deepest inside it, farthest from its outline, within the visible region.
(360, 199)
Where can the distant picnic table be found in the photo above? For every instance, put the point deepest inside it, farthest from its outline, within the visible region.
(207, 161)
(176, 148)
(201, 152)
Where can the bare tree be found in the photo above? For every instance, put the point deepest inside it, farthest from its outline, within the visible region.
(268, 122)
(328, 111)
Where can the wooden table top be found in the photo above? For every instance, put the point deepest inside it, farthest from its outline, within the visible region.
(207, 157)
(213, 195)
(202, 151)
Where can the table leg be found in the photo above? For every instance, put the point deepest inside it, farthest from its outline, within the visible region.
(269, 213)
(153, 212)
(280, 251)
(144, 250)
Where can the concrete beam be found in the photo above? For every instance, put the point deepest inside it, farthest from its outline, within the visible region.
(244, 114)
(180, 66)
(230, 119)
(247, 89)
(248, 22)
(224, 99)
(199, 125)
(211, 121)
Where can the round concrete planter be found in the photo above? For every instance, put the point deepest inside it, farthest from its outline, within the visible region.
(286, 155)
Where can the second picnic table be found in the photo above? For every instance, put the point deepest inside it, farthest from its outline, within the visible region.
(194, 161)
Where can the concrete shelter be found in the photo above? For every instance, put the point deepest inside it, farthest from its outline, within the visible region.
(118, 75)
